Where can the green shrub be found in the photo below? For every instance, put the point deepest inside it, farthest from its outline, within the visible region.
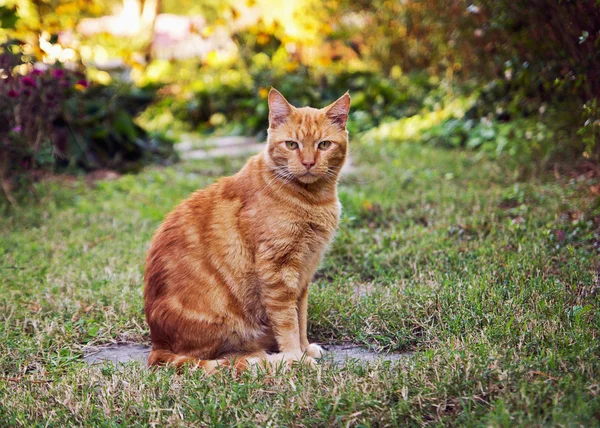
(523, 139)
(507, 119)
(233, 100)
(55, 119)
(539, 54)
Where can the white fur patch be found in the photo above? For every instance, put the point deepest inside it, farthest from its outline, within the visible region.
(290, 277)
(315, 351)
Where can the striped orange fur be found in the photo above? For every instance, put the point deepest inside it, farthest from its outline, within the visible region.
(227, 272)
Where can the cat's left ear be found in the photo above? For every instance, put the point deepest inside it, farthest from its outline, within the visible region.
(338, 111)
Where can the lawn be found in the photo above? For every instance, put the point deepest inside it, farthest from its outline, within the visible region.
(488, 279)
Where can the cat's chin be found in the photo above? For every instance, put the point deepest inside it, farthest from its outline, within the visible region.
(307, 178)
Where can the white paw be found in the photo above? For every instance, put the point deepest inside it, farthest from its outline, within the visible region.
(255, 361)
(315, 351)
(290, 358)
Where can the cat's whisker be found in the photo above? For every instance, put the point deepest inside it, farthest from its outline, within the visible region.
(275, 177)
(353, 149)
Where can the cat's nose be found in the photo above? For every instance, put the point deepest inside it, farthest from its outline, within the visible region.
(308, 165)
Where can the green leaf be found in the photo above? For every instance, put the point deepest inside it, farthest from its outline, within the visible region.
(8, 18)
(474, 142)
(124, 125)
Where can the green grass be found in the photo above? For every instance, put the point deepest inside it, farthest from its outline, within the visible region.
(490, 282)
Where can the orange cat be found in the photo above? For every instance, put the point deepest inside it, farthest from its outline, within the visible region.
(228, 270)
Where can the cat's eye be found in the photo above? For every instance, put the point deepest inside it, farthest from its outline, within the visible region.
(292, 145)
(324, 145)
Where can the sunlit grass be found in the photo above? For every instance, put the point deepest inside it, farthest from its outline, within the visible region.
(410, 128)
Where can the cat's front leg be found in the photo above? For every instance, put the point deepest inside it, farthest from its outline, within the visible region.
(311, 349)
(279, 292)
(302, 318)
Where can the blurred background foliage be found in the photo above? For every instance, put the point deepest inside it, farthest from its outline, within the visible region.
(89, 84)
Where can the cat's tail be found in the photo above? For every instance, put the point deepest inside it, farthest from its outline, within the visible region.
(239, 363)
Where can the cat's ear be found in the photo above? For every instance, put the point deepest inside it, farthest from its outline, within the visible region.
(279, 108)
(338, 111)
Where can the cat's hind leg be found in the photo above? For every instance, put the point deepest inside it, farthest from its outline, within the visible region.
(239, 362)
(159, 357)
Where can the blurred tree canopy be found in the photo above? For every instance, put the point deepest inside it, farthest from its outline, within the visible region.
(550, 43)
(552, 39)
(532, 65)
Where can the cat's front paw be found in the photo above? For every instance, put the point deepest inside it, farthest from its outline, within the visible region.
(315, 351)
(290, 358)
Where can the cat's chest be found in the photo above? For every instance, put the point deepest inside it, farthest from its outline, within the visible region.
(301, 229)
(321, 224)
(317, 221)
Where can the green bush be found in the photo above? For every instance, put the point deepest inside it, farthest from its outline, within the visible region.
(539, 54)
(233, 100)
(522, 140)
(506, 119)
(55, 119)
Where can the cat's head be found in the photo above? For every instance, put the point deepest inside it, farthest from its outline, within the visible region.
(307, 144)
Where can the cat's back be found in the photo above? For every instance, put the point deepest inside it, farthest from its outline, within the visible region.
(200, 217)
(202, 233)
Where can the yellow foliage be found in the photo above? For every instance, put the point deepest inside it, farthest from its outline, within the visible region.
(99, 76)
(207, 31)
(291, 66)
(211, 58)
(324, 61)
(67, 8)
(327, 28)
(263, 39)
(411, 127)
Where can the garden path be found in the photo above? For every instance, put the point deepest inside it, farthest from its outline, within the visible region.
(130, 352)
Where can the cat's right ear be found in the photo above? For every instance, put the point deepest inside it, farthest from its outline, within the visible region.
(279, 108)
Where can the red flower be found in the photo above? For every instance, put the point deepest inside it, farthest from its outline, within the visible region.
(12, 93)
(83, 83)
(57, 73)
(37, 72)
(28, 81)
